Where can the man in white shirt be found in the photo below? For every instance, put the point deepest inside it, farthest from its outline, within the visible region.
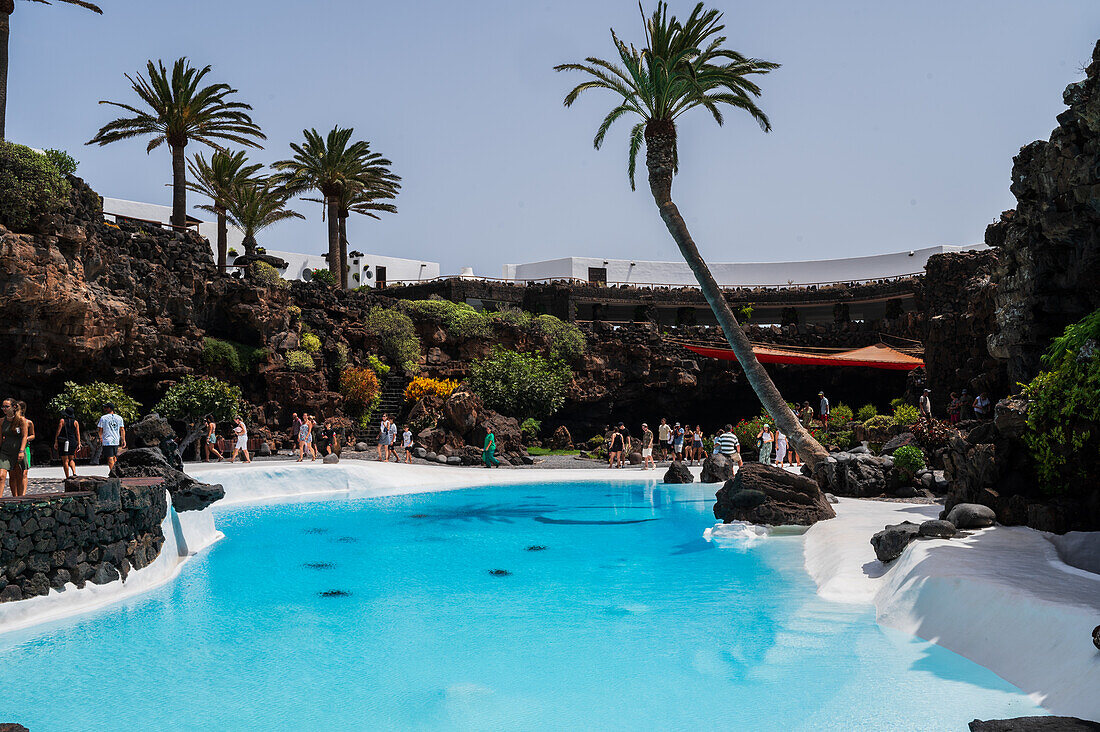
(926, 404)
(824, 410)
(664, 437)
(112, 434)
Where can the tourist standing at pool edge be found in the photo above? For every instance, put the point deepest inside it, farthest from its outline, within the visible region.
(824, 408)
(407, 443)
(664, 436)
(488, 454)
(13, 444)
(112, 434)
(647, 448)
(766, 441)
(241, 445)
(67, 441)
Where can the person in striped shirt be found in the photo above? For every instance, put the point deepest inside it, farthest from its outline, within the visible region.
(728, 444)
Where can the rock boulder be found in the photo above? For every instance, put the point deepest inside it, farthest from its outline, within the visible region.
(971, 516)
(716, 469)
(678, 473)
(765, 494)
(891, 541)
(187, 493)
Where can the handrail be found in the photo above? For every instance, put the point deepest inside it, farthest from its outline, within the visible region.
(161, 224)
(664, 285)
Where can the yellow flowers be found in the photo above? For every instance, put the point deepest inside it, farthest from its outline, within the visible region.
(422, 386)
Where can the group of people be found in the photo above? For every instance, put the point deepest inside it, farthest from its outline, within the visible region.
(387, 441)
(963, 407)
(17, 433)
(240, 441)
(310, 440)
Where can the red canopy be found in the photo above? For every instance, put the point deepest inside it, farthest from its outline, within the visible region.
(878, 356)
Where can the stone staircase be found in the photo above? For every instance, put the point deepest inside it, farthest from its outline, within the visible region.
(392, 403)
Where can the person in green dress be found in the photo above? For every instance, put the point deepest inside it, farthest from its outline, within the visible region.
(488, 454)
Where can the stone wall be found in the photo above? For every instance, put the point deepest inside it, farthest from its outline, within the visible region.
(94, 535)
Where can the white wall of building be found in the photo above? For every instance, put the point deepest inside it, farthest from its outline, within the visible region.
(731, 274)
(297, 263)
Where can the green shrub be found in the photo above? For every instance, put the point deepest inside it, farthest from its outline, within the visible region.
(595, 442)
(895, 403)
(31, 187)
(905, 415)
(1063, 421)
(237, 357)
(299, 361)
(566, 340)
(63, 161)
(377, 366)
(520, 384)
(512, 316)
(457, 318)
(310, 343)
(866, 412)
(745, 313)
(232, 252)
(294, 311)
(266, 275)
(396, 335)
(530, 428)
(87, 401)
(879, 422)
(842, 412)
(191, 398)
(909, 459)
(844, 439)
(323, 277)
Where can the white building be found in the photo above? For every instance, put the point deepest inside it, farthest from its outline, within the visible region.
(729, 274)
(368, 269)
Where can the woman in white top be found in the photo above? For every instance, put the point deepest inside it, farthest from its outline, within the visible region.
(780, 448)
(241, 445)
(767, 444)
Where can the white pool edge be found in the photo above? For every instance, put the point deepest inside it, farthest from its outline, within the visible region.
(1001, 598)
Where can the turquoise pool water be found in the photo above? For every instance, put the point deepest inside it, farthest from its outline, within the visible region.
(383, 614)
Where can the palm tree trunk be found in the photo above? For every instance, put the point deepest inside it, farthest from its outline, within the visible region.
(660, 140)
(249, 244)
(223, 238)
(179, 187)
(6, 9)
(334, 263)
(344, 249)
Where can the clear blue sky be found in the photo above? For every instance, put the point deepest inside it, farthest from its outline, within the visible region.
(894, 122)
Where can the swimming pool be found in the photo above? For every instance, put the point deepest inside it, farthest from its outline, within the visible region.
(550, 606)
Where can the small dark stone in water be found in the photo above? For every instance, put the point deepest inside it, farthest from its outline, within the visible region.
(499, 572)
(318, 565)
(347, 540)
(335, 593)
(316, 531)
(536, 548)
(419, 515)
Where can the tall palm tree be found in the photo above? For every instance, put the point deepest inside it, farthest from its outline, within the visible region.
(7, 7)
(368, 200)
(253, 205)
(180, 109)
(682, 67)
(333, 165)
(217, 180)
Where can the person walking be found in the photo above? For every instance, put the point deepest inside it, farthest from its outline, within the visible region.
(981, 408)
(488, 453)
(305, 439)
(66, 441)
(615, 451)
(296, 432)
(766, 440)
(391, 442)
(210, 443)
(780, 448)
(27, 450)
(925, 405)
(664, 437)
(112, 434)
(383, 435)
(824, 408)
(407, 443)
(241, 445)
(647, 448)
(966, 407)
(13, 446)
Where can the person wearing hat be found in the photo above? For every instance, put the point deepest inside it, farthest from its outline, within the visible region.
(824, 410)
(66, 441)
(966, 406)
(926, 404)
(112, 434)
(677, 442)
(647, 448)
